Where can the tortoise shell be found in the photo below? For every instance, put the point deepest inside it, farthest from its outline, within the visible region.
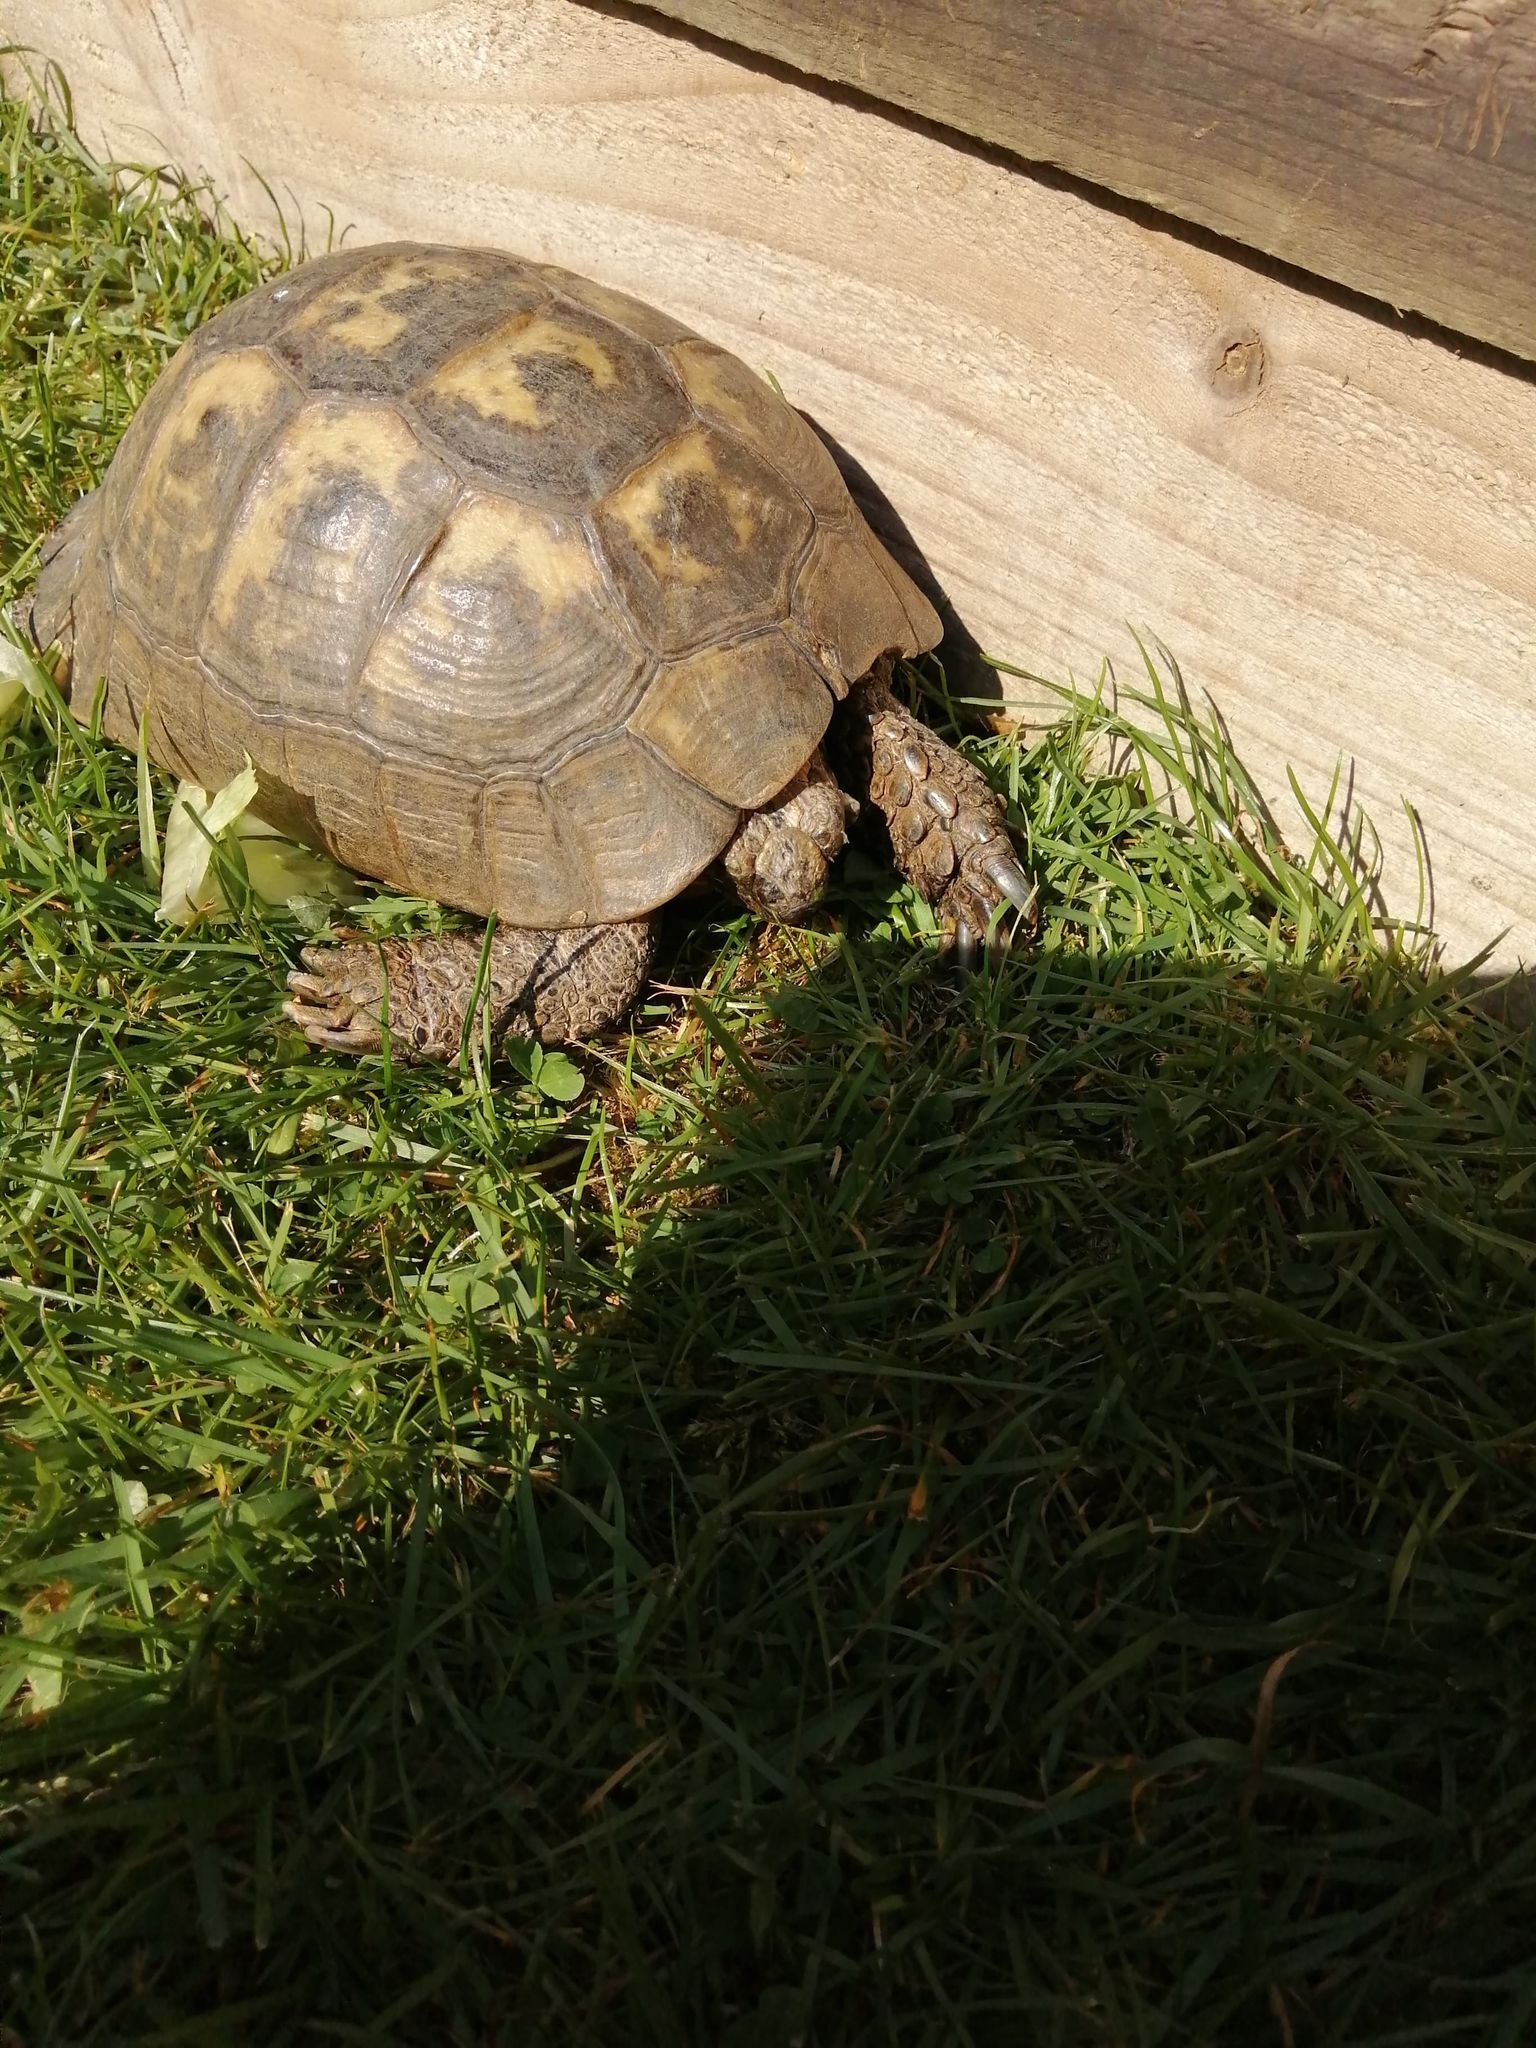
(516, 593)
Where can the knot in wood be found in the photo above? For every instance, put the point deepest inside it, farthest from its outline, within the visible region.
(1239, 367)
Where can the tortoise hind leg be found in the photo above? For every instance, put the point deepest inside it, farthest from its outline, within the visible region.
(553, 986)
(948, 829)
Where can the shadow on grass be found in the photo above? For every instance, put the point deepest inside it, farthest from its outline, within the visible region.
(971, 1515)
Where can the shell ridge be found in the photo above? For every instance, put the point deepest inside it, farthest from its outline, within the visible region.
(669, 767)
(289, 376)
(619, 603)
(390, 608)
(660, 353)
(472, 475)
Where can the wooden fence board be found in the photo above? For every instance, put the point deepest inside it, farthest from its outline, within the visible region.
(1389, 145)
(1078, 420)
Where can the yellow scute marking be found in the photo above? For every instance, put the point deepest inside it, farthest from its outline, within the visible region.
(371, 328)
(709, 381)
(740, 509)
(489, 374)
(171, 522)
(370, 444)
(243, 382)
(550, 556)
(641, 507)
(367, 323)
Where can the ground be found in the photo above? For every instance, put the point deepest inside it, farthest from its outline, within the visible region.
(872, 1509)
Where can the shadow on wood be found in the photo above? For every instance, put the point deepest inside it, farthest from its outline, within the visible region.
(973, 677)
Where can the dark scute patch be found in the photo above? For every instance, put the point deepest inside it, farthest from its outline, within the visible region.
(177, 492)
(698, 552)
(326, 344)
(591, 432)
(261, 314)
(341, 502)
(291, 616)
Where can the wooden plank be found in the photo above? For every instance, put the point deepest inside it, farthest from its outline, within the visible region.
(1389, 145)
(1073, 419)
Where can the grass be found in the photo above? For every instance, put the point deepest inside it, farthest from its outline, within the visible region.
(905, 1513)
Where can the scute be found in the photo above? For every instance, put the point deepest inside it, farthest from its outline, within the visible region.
(849, 606)
(554, 407)
(62, 563)
(434, 824)
(165, 546)
(168, 690)
(535, 879)
(385, 325)
(342, 782)
(504, 646)
(740, 720)
(253, 321)
(726, 392)
(925, 628)
(122, 478)
(341, 506)
(705, 537)
(633, 315)
(640, 830)
(94, 617)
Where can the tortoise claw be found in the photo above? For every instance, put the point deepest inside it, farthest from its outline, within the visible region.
(978, 908)
(361, 1035)
(1010, 881)
(328, 1016)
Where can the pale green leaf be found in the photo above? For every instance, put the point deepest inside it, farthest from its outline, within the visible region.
(149, 837)
(20, 680)
(187, 890)
(279, 871)
(45, 1681)
(282, 871)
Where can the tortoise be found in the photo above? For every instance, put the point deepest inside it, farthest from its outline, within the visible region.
(517, 595)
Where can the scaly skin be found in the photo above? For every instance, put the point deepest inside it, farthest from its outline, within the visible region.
(557, 987)
(782, 856)
(948, 829)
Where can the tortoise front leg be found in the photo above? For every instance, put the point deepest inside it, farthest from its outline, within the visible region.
(948, 829)
(782, 854)
(553, 986)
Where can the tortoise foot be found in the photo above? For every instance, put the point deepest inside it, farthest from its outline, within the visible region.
(783, 853)
(336, 998)
(948, 828)
(554, 986)
(342, 995)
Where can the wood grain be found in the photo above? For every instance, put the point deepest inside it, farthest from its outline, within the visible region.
(1078, 420)
(1389, 145)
